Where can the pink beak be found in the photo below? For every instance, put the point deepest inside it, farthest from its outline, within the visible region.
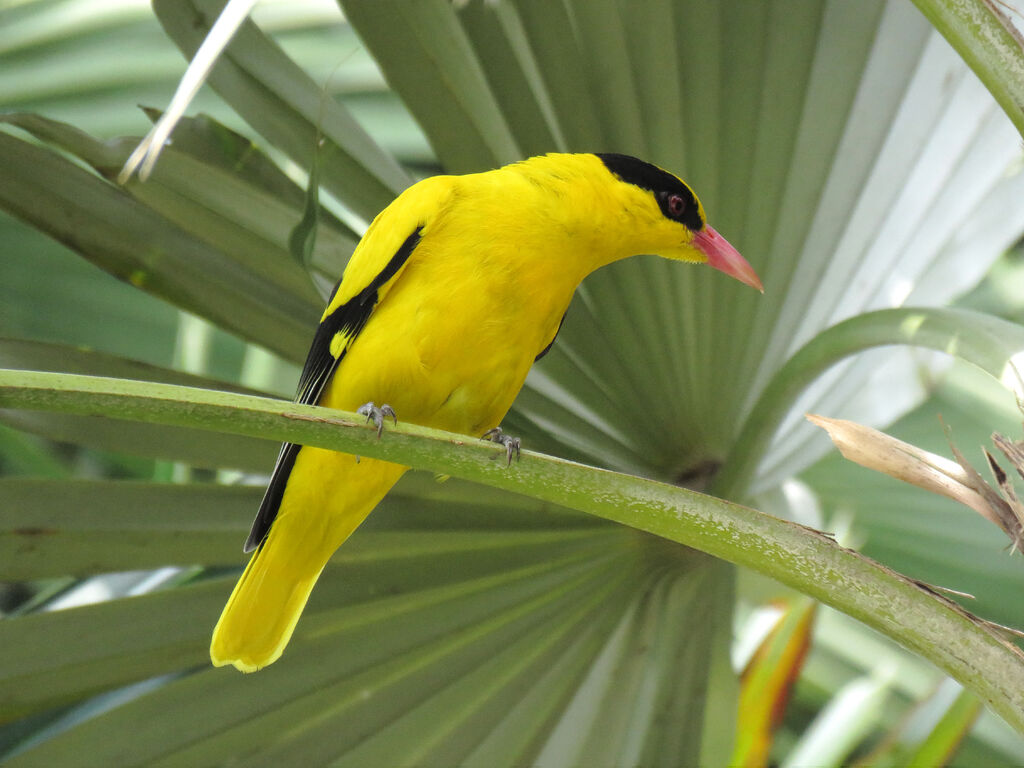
(725, 258)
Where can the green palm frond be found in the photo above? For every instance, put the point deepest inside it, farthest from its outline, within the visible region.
(846, 150)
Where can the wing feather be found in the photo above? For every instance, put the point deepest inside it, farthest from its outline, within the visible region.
(338, 328)
(552, 342)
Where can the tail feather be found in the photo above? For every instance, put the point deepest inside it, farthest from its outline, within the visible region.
(268, 599)
(265, 606)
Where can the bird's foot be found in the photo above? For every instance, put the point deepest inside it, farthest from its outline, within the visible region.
(377, 415)
(512, 444)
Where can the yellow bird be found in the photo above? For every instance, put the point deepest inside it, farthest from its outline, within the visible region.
(455, 290)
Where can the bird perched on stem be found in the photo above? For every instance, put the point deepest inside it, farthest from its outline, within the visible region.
(455, 290)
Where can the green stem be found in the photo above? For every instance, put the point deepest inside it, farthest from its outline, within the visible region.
(983, 340)
(805, 559)
(987, 40)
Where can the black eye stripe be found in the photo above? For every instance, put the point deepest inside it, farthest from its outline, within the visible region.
(661, 183)
(681, 208)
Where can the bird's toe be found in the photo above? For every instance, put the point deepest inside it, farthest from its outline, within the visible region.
(513, 445)
(377, 415)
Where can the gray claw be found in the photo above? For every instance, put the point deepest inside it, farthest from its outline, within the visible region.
(512, 444)
(377, 415)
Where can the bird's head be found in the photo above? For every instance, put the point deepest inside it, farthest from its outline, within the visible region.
(669, 218)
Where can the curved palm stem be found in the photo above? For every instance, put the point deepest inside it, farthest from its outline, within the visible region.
(808, 560)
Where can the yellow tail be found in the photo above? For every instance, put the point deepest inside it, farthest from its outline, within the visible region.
(328, 495)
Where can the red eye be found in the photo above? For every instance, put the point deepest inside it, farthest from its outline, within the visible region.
(676, 206)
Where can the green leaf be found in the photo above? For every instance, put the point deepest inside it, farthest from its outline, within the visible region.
(155, 634)
(213, 143)
(841, 146)
(942, 743)
(500, 45)
(25, 454)
(448, 724)
(219, 206)
(550, 36)
(139, 246)
(302, 238)
(392, 641)
(200, 449)
(284, 105)
(845, 651)
(799, 557)
(210, 142)
(425, 53)
(842, 724)
(82, 527)
(384, 569)
(816, 153)
(987, 342)
(989, 42)
(606, 61)
(122, 526)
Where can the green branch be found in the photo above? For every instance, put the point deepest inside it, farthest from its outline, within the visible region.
(987, 40)
(986, 341)
(800, 557)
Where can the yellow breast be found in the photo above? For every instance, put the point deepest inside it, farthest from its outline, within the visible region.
(483, 293)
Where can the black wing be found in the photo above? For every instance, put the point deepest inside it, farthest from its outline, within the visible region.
(347, 320)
